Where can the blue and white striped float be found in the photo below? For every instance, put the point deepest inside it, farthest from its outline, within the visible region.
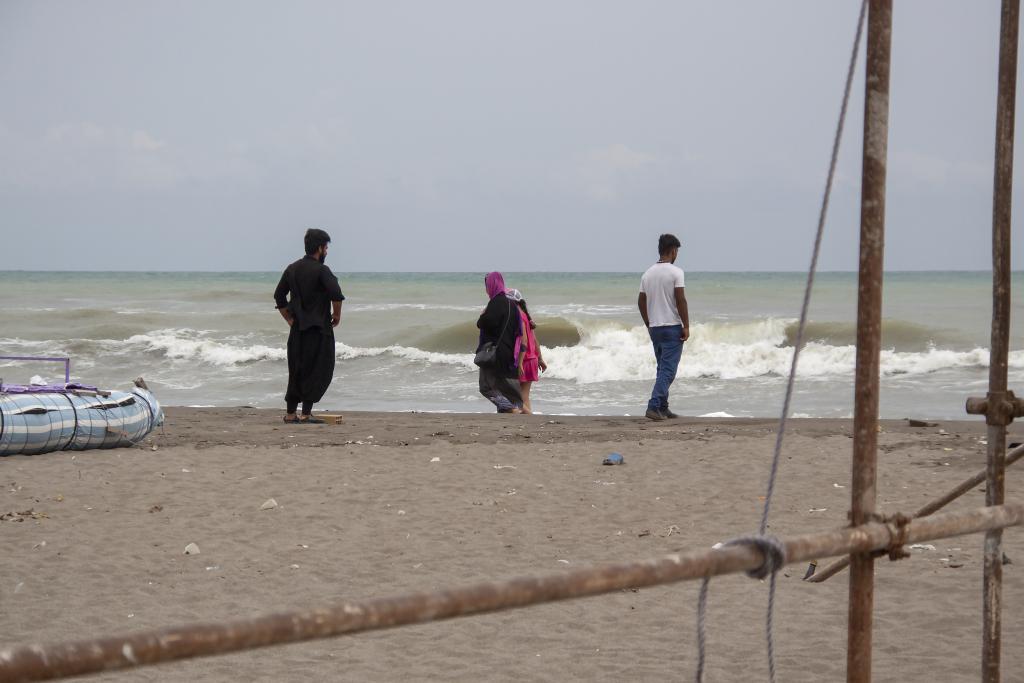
(40, 422)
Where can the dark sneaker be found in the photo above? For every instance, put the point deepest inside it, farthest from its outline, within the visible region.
(668, 414)
(654, 415)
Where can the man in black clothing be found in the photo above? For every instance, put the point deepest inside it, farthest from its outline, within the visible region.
(309, 299)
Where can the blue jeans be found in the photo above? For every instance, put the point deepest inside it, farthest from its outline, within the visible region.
(668, 348)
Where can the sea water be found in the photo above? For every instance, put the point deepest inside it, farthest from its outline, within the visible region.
(406, 340)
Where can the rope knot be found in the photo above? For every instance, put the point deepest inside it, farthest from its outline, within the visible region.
(896, 525)
(772, 550)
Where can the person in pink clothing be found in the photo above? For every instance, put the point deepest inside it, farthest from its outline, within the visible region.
(531, 362)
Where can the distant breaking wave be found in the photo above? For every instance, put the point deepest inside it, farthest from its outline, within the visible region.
(411, 307)
(612, 354)
(464, 360)
(463, 337)
(586, 352)
(723, 350)
(899, 335)
(189, 345)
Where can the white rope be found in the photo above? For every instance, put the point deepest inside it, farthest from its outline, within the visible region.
(770, 548)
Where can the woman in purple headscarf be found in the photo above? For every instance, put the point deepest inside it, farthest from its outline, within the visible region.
(499, 324)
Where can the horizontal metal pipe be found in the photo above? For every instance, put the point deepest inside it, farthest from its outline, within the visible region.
(928, 508)
(45, 662)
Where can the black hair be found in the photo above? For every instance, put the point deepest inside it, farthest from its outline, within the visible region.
(522, 305)
(315, 238)
(667, 243)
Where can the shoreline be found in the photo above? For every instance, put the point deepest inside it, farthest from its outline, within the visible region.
(190, 426)
(404, 429)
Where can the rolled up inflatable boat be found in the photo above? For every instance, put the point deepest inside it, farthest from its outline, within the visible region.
(74, 417)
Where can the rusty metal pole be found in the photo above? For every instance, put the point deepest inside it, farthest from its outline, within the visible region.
(998, 417)
(869, 332)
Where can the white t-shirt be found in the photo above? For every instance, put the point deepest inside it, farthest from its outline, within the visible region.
(659, 284)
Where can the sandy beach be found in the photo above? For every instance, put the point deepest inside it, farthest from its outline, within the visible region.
(387, 503)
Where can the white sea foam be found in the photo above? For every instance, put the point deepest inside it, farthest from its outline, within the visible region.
(597, 310)
(607, 352)
(610, 353)
(13, 346)
(345, 352)
(191, 345)
(196, 345)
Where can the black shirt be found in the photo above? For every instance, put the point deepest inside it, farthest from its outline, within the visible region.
(499, 323)
(313, 287)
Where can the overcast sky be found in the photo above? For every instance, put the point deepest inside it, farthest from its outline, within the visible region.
(473, 135)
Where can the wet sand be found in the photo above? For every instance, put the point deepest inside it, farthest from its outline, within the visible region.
(387, 503)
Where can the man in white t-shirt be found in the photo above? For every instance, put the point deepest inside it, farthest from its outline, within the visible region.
(662, 304)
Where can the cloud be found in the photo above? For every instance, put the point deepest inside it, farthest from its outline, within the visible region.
(144, 142)
(604, 172)
(82, 135)
(85, 156)
(619, 157)
(88, 135)
(920, 168)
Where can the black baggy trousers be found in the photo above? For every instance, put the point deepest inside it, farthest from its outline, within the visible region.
(310, 364)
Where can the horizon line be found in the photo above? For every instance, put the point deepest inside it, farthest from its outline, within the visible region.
(462, 272)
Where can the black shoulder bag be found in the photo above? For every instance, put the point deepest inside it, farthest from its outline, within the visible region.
(487, 356)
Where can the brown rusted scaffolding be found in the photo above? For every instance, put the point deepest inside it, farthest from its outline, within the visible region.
(1000, 406)
(928, 508)
(43, 662)
(869, 333)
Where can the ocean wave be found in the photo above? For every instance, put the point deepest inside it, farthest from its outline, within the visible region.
(98, 316)
(221, 294)
(84, 323)
(376, 307)
(12, 346)
(616, 353)
(191, 345)
(346, 352)
(900, 335)
(582, 352)
(550, 310)
(574, 309)
(463, 337)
